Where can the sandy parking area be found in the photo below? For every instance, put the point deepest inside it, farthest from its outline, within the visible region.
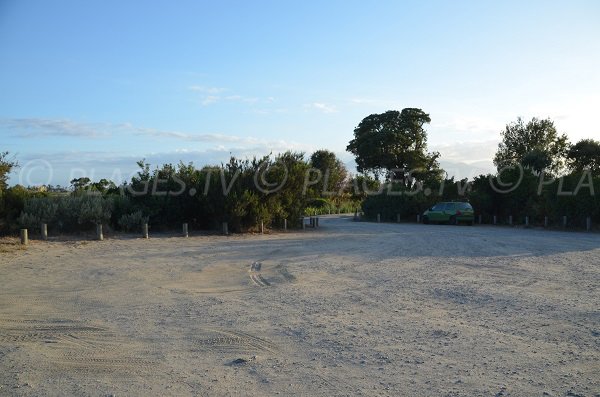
(348, 309)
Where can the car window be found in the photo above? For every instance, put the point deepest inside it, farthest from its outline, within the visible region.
(438, 207)
(449, 207)
(465, 206)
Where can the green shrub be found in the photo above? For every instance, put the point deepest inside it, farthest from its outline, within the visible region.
(132, 222)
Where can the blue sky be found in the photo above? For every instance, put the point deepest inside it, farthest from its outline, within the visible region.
(89, 87)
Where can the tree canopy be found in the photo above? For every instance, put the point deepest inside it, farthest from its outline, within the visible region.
(535, 144)
(334, 174)
(394, 144)
(585, 154)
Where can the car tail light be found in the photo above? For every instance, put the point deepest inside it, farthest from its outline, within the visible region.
(458, 213)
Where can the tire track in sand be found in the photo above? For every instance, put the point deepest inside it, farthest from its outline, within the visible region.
(256, 277)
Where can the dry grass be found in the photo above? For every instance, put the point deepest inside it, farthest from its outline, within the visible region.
(10, 245)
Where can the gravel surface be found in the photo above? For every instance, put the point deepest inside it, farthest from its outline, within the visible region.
(351, 308)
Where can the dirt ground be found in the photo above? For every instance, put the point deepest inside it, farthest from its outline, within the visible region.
(351, 308)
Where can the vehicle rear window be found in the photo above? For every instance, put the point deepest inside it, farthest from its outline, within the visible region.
(465, 206)
(449, 207)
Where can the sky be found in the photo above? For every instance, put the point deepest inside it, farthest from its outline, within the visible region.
(90, 87)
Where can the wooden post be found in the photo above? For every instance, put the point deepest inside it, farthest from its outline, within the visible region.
(225, 228)
(44, 230)
(545, 221)
(144, 230)
(356, 214)
(588, 223)
(24, 237)
(303, 223)
(398, 218)
(526, 221)
(185, 230)
(262, 227)
(378, 218)
(495, 219)
(480, 219)
(317, 221)
(99, 234)
(565, 221)
(418, 218)
(510, 220)
(285, 225)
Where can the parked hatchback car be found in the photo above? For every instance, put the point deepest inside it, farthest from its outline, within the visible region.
(450, 212)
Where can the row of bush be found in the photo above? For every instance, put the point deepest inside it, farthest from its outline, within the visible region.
(243, 193)
(516, 192)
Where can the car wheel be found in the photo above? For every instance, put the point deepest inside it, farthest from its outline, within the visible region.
(426, 220)
(453, 220)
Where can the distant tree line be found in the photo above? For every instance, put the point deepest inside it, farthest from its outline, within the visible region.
(243, 193)
(539, 173)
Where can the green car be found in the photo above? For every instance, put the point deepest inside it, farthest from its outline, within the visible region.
(450, 212)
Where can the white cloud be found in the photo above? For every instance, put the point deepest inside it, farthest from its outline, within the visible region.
(460, 170)
(207, 90)
(322, 107)
(467, 152)
(39, 127)
(210, 99)
(478, 125)
(190, 137)
(213, 95)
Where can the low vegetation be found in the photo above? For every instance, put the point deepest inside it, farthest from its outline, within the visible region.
(539, 174)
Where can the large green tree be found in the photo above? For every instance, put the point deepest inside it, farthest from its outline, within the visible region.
(585, 154)
(333, 172)
(394, 144)
(535, 144)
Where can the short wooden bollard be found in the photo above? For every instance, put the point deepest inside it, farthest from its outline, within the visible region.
(545, 221)
(262, 227)
(398, 218)
(588, 224)
(303, 221)
(185, 230)
(378, 218)
(99, 234)
(418, 218)
(480, 219)
(356, 215)
(526, 221)
(564, 221)
(44, 231)
(144, 230)
(24, 237)
(495, 219)
(285, 225)
(317, 221)
(225, 228)
(510, 220)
